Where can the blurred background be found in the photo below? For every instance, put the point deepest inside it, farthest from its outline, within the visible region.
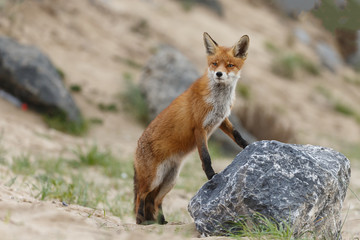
(300, 83)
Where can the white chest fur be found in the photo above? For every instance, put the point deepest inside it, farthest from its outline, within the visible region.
(221, 99)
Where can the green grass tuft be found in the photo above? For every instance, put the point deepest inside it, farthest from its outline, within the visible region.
(244, 91)
(22, 165)
(54, 167)
(75, 88)
(134, 101)
(110, 107)
(61, 73)
(344, 109)
(111, 166)
(76, 191)
(271, 47)
(286, 65)
(96, 120)
(324, 91)
(353, 80)
(259, 226)
(61, 123)
(121, 205)
(337, 105)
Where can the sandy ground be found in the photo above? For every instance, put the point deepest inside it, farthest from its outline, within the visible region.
(90, 42)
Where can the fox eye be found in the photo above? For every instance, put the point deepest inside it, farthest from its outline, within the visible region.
(214, 63)
(230, 65)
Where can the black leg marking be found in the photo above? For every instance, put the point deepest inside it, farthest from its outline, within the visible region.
(206, 160)
(239, 140)
(150, 206)
(160, 218)
(140, 214)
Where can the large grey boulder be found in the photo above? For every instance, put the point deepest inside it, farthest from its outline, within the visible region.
(28, 74)
(168, 74)
(302, 185)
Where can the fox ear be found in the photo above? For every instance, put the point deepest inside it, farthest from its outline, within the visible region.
(210, 44)
(241, 47)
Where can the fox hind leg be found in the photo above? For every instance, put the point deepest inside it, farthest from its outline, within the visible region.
(141, 192)
(150, 193)
(150, 206)
(165, 187)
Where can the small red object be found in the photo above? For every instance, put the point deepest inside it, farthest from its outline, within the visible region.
(24, 106)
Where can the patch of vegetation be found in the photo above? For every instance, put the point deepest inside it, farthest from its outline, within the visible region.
(61, 123)
(259, 226)
(352, 151)
(110, 107)
(244, 90)
(333, 17)
(60, 72)
(142, 27)
(337, 105)
(216, 150)
(121, 205)
(77, 191)
(62, 179)
(22, 165)
(344, 109)
(187, 5)
(286, 65)
(191, 170)
(324, 92)
(2, 152)
(353, 80)
(75, 88)
(129, 62)
(271, 47)
(111, 166)
(91, 157)
(134, 101)
(95, 120)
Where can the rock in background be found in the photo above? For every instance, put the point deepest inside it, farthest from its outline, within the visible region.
(303, 185)
(28, 74)
(213, 5)
(168, 74)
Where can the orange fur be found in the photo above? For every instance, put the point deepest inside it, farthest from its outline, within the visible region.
(185, 124)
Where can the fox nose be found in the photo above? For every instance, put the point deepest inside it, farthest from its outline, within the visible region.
(219, 74)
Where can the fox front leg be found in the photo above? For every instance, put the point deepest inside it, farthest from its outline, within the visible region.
(228, 128)
(201, 143)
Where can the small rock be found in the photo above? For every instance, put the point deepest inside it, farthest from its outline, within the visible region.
(329, 57)
(302, 36)
(299, 184)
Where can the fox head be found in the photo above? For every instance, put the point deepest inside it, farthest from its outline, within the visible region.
(224, 64)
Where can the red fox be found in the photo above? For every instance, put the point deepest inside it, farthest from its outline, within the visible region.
(185, 124)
